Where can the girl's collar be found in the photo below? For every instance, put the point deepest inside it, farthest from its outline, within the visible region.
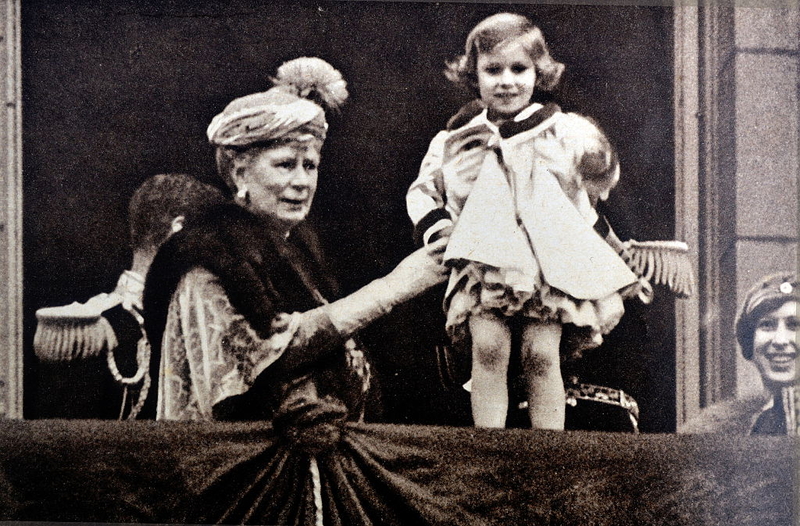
(519, 117)
(527, 112)
(535, 119)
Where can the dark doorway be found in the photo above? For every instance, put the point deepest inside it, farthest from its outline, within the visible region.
(115, 91)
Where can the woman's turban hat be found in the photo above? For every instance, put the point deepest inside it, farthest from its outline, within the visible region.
(304, 88)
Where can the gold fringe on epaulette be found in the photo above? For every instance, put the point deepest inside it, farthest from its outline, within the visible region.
(66, 339)
(663, 263)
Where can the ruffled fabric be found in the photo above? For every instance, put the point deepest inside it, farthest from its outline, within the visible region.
(477, 289)
(524, 245)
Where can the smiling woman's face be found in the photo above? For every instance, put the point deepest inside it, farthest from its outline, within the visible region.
(775, 346)
(281, 181)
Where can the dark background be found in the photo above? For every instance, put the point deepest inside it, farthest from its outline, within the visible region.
(115, 91)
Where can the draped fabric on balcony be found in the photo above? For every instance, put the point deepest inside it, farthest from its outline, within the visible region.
(317, 468)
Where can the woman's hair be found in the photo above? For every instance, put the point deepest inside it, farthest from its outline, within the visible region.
(498, 30)
(767, 295)
(227, 157)
(162, 198)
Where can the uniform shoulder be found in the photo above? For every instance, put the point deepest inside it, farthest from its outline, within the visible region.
(76, 330)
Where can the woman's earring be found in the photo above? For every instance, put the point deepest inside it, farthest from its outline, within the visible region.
(177, 224)
(243, 194)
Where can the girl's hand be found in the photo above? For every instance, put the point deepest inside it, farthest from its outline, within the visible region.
(436, 247)
(464, 153)
(468, 140)
(443, 233)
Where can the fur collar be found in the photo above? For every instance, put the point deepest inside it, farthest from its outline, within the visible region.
(728, 417)
(262, 273)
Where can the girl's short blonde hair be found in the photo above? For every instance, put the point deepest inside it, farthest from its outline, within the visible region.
(498, 30)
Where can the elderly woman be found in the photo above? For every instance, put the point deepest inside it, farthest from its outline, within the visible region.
(237, 306)
(766, 330)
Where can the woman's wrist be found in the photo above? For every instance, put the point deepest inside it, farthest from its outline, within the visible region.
(359, 309)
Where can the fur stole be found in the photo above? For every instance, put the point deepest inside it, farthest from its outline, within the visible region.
(262, 273)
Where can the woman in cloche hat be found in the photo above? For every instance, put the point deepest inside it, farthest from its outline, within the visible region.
(766, 330)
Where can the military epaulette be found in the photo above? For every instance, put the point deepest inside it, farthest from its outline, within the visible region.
(75, 331)
(663, 263)
(658, 262)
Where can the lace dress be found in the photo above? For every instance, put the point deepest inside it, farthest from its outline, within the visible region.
(211, 354)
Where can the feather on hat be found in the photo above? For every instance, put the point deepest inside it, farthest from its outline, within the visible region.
(304, 88)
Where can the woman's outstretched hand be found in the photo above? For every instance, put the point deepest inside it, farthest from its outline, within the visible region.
(422, 269)
(418, 272)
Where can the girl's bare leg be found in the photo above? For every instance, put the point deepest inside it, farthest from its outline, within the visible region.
(491, 349)
(541, 366)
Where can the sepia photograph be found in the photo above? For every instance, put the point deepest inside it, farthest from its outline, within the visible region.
(399, 262)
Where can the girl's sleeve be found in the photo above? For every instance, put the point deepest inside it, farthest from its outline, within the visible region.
(211, 353)
(425, 199)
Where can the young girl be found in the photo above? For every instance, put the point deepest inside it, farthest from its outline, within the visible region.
(515, 184)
